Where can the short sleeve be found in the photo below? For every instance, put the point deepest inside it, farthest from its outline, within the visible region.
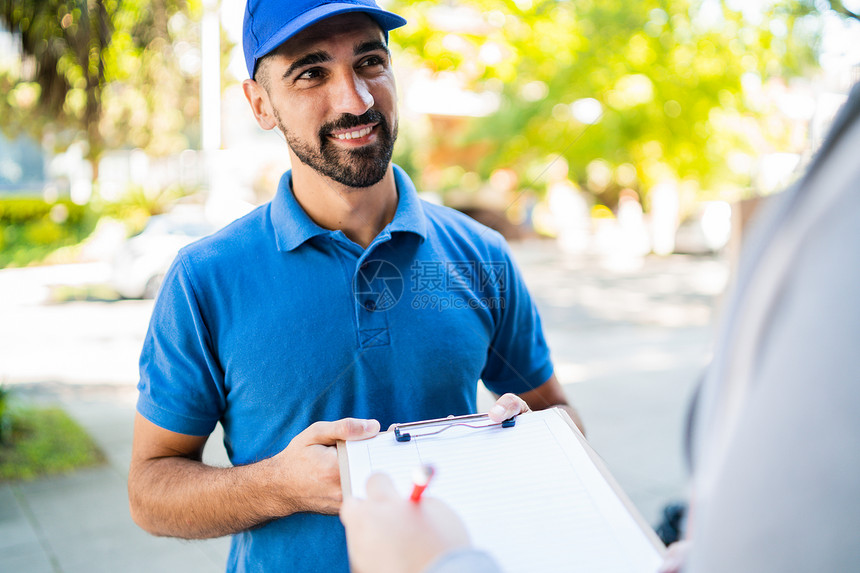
(518, 359)
(181, 382)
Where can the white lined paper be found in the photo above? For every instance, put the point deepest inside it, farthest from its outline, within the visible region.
(529, 495)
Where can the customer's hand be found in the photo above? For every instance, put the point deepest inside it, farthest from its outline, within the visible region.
(306, 471)
(386, 533)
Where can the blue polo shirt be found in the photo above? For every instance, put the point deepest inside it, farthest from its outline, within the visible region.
(274, 323)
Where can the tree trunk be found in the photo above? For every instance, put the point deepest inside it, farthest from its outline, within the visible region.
(90, 44)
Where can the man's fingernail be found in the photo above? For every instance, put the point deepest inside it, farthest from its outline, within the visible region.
(497, 411)
(368, 425)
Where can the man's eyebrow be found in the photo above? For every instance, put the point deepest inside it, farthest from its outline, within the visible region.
(307, 60)
(370, 46)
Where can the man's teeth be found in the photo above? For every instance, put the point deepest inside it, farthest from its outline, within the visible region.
(354, 134)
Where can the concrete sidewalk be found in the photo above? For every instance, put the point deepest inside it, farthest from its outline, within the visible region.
(80, 522)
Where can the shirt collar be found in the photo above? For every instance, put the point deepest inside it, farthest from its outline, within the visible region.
(293, 226)
(409, 216)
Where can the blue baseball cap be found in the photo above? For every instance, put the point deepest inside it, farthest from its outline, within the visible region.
(270, 23)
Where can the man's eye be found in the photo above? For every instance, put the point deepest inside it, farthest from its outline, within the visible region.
(372, 61)
(309, 74)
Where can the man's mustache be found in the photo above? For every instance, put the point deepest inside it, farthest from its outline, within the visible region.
(349, 120)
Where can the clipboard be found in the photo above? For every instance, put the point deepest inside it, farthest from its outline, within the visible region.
(424, 428)
(533, 494)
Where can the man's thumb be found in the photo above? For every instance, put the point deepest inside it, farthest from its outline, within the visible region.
(328, 433)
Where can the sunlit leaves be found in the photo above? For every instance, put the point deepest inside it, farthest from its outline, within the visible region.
(106, 72)
(666, 78)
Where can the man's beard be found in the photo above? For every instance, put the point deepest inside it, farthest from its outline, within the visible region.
(359, 167)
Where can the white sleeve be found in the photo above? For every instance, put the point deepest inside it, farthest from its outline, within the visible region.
(787, 495)
(464, 561)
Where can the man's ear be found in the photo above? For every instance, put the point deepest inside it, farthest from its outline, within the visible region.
(258, 98)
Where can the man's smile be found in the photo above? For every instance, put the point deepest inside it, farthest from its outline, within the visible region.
(358, 135)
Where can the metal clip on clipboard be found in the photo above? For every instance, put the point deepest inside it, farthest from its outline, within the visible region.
(469, 421)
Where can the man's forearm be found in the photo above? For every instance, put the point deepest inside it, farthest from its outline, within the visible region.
(574, 416)
(181, 497)
(172, 493)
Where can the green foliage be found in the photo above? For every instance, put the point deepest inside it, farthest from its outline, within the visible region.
(5, 416)
(138, 205)
(30, 228)
(104, 71)
(668, 76)
(45, 442)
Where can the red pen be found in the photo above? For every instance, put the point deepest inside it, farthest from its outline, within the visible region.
(420, 480)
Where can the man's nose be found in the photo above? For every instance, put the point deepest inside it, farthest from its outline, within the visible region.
(352, 95)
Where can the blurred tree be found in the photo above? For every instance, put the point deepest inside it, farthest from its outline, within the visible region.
(840, 8)
(629, 93)
(111, 72)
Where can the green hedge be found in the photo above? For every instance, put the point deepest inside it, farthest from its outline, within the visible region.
(32, 228)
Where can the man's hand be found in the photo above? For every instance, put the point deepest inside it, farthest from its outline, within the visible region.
(507, 406)
(171, 492)
(389, 534)
(308, 467)
(547, 395)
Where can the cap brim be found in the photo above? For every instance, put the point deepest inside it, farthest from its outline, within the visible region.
(386, 20)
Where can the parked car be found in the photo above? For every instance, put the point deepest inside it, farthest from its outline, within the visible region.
(706, 231)
(141, 262)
